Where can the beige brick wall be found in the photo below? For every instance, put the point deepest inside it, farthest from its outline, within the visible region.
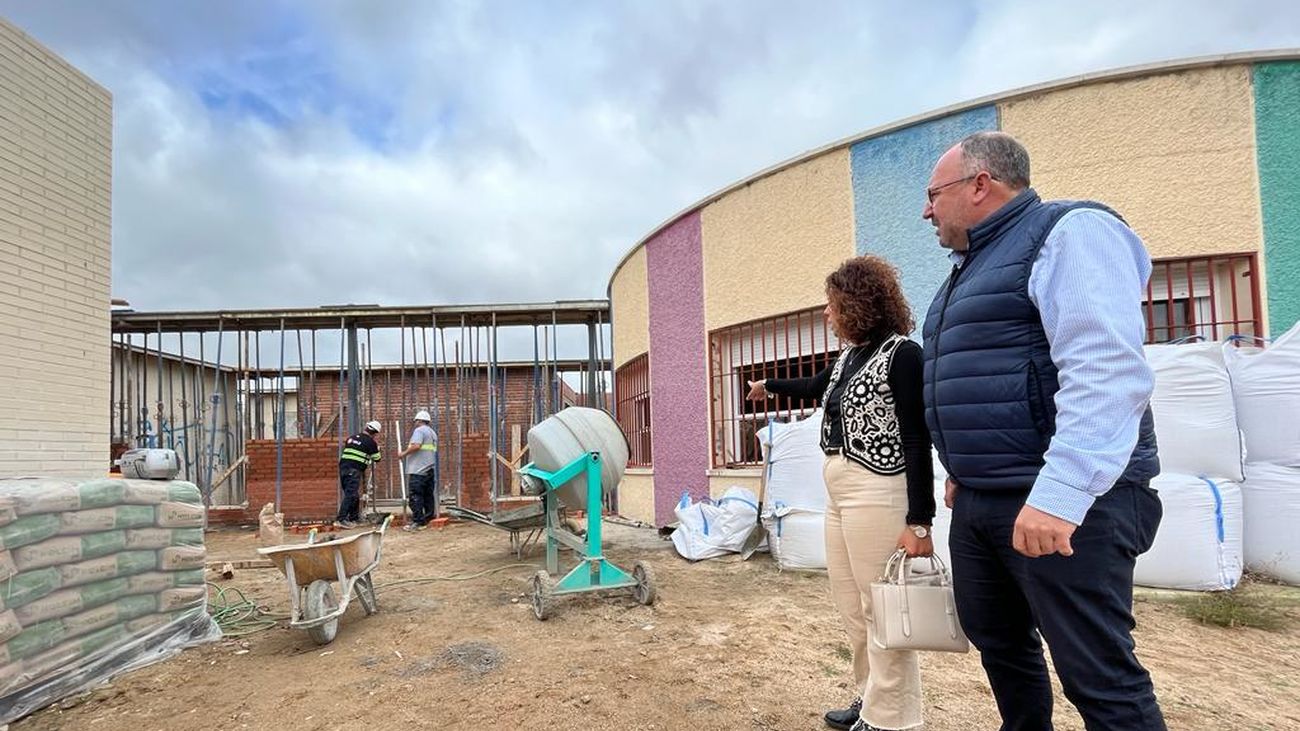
(56, 129)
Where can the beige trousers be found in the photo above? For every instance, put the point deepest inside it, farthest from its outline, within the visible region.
(865, 512)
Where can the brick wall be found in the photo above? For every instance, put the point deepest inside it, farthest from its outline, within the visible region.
(55, 179)
(309, 488)
(382, 400)
(477, 494)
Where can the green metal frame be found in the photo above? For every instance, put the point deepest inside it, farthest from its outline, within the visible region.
(594, 572)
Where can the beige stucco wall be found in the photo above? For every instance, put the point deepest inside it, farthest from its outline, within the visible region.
(769, 245)
(56, 128)
(636, 496)
(629, 295)
(720, 480)
(1173, 153)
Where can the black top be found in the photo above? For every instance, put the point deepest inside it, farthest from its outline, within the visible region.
(905, 381)
(359, 450)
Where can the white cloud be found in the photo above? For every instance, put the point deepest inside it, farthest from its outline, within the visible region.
(469, 152)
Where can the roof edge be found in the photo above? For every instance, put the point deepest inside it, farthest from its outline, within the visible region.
(1068, 82)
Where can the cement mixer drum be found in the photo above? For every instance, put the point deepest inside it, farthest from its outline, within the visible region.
(568, 435)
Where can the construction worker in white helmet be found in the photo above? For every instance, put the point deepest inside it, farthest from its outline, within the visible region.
(420, 460)
(359, 452)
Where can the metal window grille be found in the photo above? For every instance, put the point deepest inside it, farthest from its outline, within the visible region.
(632, 408)
(1211, 297)
(794, 345)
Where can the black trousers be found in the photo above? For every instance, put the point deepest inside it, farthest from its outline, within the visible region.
(350, 479)
(1082, 605)
(423, 495)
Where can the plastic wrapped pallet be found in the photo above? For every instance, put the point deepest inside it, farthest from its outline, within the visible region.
(96, 578)
(1266, 389)
(1271, 494)
(1199, 543)
(1196, 419)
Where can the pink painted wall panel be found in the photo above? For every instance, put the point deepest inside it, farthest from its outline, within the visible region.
(679, 381)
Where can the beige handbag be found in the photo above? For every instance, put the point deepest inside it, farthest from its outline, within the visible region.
(916, 612)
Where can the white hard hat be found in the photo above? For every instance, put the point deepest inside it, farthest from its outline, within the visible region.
(373, 426)
(422, 415)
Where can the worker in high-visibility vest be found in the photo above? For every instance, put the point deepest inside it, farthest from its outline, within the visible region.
(359, 452)
(420, 461)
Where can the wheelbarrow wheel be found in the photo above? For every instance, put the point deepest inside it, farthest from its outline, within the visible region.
(320, 602)
(543, 595)
(366, 593)
(644, 591)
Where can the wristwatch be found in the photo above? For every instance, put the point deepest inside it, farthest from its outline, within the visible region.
(920, 531)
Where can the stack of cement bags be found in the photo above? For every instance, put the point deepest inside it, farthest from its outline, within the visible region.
(96, 577)
(1202, 458)
(794, 505)
(1266, 390)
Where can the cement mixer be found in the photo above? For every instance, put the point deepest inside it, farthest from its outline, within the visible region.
(579, 455)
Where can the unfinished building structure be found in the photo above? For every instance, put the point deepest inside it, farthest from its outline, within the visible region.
(257, 402)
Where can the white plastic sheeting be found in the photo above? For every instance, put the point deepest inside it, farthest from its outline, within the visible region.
(1196, 420)
(1266, 389)
(1199, 543)
(708, 529)
(1271, 495)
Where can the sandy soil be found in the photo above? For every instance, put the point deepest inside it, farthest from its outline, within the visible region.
(728, 645)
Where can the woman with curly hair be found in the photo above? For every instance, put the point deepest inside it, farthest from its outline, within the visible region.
(878, 473)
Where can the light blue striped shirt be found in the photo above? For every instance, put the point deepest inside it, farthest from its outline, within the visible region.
(1088, 284)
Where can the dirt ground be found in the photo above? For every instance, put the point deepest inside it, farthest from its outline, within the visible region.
(728, 645)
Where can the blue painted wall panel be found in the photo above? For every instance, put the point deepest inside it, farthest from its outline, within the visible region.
(890, 173)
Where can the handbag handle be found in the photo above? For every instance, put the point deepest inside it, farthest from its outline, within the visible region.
(896, 568)
(896, 573)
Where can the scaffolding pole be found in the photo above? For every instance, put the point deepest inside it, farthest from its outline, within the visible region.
(279, 427)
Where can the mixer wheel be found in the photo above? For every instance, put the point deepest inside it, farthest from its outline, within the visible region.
(644, 591)
(543, 595)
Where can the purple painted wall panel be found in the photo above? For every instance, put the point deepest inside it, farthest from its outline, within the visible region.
(679, 381)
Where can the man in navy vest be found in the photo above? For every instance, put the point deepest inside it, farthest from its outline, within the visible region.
(1036, 395)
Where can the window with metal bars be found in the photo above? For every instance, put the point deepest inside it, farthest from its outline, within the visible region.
(794, 345)
(632, 408)
(1212, 297)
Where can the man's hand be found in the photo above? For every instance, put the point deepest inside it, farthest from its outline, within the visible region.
(949, 492)
(914, 546)
(757, 391)
(1039, 534)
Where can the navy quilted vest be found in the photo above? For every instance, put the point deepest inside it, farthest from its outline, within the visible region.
(989, 378)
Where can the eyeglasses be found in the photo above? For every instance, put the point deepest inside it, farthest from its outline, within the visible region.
(930, 193)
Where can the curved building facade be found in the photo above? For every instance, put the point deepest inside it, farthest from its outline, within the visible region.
(1199, 156)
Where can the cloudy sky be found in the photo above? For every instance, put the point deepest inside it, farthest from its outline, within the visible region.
(303, 153)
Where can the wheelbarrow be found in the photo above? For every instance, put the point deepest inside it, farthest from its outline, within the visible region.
(310, 570)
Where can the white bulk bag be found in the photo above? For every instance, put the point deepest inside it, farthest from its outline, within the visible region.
(707, 529)
(797, 538)
(1196, 422)
(1266, 389)
(1271, 497)
(794, 463)
(1199, 543)
(942, 526)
